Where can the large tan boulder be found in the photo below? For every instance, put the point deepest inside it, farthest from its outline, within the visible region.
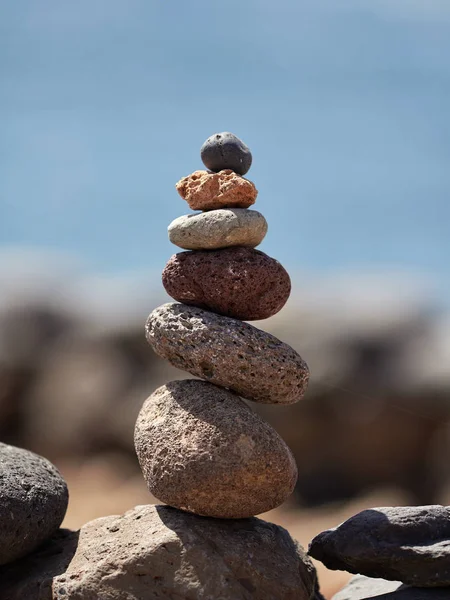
(161, 552)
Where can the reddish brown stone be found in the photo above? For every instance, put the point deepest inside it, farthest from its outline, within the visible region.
(241, 283)
(209, 191)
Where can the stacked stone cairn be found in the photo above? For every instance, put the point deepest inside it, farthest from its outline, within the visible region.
(207, 455)
(202, 449)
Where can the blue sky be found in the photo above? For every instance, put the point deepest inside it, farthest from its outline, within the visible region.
(104, 105)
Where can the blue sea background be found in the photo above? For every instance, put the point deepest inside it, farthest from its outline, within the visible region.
(104, 105)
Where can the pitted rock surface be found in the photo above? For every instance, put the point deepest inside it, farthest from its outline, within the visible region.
(33, 501)
(219, 228)
(365, 588)
(228, 352)
(161, 552)
(209, 191)
(241, 283)
(203, 449)
(408, 544)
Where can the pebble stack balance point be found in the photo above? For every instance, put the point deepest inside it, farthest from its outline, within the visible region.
(201, 448)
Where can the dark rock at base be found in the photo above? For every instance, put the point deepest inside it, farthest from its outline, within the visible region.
(33, 501)
(241, 283)
(407, 544)
(31, 578)
(161, 552)
(365, 588)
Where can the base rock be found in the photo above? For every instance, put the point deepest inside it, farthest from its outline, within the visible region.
(31, 578)
(408, 544)
(161, 552)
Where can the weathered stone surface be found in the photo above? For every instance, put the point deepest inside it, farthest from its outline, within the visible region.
(203, 449)
(219, 228)
(33, 501)
(365, 588)
(408, 544)
(31, 578)
(361, 587)
(209, 191)
(161, 552)
(229, 353)
(226, 151)
(241, 283)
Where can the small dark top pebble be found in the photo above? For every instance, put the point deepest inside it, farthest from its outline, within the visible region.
(226, 151)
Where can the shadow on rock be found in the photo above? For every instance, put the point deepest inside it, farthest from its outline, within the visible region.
(32, 576)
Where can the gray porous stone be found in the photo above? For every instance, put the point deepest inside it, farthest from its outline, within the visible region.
(203, 449)
(242, 283)
(161, 552)
(33, 501)
(228, 352)
(407, 544)
(219, 228)
(226, 151)
(361, 587)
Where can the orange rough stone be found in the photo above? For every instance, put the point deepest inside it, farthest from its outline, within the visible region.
(210, 191)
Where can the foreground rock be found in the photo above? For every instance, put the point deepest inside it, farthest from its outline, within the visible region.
(220, 228)
(202, 449)
(365, 588)
(33, 501)
(229, 353)
(241, 283)
(31, 578)
(408, 544)
(209, 191)
(160, 552)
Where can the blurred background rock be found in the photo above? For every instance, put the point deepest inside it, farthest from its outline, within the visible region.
(105, 105)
